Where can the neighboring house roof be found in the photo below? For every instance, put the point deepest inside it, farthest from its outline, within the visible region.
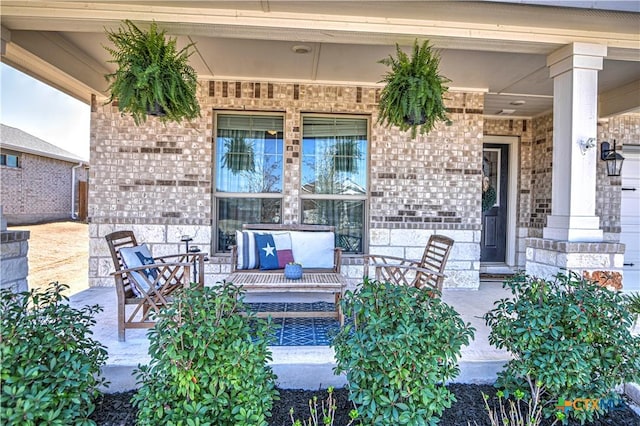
(17, 140)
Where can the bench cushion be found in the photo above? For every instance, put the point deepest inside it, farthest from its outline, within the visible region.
(313, 249)
(274, 250)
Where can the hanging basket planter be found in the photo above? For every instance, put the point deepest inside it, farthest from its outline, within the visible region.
(415, 120)
(413, 96)
(152, 76)
(156, 110)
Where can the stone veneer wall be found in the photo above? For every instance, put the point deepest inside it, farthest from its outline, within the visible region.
(157, 179)
(14, 246)
(523, 129)
(546, 258)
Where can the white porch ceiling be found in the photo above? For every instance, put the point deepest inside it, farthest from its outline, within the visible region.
(497, 48)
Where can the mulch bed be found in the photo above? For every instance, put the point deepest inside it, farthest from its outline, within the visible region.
(116, 410)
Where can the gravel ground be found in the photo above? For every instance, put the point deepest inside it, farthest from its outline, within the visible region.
(58, 251)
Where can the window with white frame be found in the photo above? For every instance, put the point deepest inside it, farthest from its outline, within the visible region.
(334, 176)
(248, 172)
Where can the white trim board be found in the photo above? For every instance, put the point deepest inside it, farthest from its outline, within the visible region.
(512, 192)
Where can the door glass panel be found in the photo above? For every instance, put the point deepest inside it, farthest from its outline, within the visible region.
(491, 171)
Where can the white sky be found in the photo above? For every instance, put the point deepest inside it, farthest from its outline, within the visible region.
(44, 112)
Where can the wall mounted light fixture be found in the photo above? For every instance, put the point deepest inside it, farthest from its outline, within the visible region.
(586, 145)
(614, 159)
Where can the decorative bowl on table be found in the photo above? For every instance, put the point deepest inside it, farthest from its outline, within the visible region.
(293, 271)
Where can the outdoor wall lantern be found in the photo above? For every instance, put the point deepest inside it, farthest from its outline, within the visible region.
(614, 159)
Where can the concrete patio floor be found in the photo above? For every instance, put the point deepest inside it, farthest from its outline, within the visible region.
(297, 367)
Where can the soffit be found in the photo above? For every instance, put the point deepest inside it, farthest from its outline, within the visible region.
(497, 48)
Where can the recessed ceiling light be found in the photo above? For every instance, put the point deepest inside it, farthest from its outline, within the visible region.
(301, 49)
(506, 111)
(518, 102)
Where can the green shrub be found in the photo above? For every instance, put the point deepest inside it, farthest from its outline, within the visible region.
(570, 335)
(208, 363)
(398, 355)
(50, 365)
(633, 305)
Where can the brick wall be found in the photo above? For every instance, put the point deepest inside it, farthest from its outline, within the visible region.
(156, 178)
(523, 129)
(541, 174)
(625, 129)
(535, 179)
(39, 190)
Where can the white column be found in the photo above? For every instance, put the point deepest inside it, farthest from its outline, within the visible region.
(574, 69)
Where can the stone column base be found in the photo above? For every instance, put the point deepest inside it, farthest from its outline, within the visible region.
(545, 258)
(14, 247)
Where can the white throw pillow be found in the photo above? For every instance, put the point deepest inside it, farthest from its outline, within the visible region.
(247, 250)
(313, 249)
(133, 257)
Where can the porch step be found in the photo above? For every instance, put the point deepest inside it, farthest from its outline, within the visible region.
(307, 373)
(308, 367)
(495, 277)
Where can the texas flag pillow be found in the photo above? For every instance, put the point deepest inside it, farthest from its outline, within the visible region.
(274, 250)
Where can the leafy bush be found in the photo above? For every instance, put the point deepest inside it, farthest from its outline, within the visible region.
(633, 305)
(50, 365)
(569, 334)
(402, 348)
(208, 363)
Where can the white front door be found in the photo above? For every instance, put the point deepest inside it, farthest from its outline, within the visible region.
(630, 217)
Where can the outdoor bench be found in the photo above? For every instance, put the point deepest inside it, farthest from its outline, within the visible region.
(312, 246)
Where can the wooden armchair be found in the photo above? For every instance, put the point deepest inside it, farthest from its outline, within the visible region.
(147, 288)
(425, 273)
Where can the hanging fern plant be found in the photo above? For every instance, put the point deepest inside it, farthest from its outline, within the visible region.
(413, 95)
(152, 76)
(238, 156)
